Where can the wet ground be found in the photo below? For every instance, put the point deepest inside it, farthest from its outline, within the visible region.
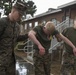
(23, 67)
(55, 68)
(26, 68)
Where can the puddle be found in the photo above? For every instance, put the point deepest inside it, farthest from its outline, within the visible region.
(24, 68)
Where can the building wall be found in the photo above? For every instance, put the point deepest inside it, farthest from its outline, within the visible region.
(69, 12)
(73, 13)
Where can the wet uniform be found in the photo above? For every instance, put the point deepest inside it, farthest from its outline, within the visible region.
(9, 34)
(42, 63)
(68, 59)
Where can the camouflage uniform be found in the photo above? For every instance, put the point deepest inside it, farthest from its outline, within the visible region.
(42, 63)
(9, 34)
(69, 60)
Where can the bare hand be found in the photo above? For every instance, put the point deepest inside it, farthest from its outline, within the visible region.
(41, 50)
(74, 51)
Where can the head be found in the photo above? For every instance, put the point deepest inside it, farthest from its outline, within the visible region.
(18, 11)
(49, 27)
(75, 23)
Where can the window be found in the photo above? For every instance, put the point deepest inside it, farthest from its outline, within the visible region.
(25, 26)
(43, 23)
(30, 25)
(36, 23)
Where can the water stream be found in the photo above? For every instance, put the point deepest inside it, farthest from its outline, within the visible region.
(24, 68)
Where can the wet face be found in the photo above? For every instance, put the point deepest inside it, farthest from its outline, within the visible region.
(50, 32)
(49, 26)
(47, 31)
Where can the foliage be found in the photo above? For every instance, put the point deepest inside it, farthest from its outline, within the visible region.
(7, 5)
(31, 8)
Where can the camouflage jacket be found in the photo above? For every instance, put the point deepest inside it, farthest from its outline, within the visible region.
(9, 34)
(70, 33)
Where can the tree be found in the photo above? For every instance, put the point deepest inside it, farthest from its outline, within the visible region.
(7, 5)
(31, 8)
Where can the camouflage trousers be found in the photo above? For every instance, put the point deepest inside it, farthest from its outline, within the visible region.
(10, 70)
(42, 64)
(68, 65)
(7, 65)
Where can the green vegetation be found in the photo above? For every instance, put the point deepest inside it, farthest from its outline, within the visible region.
(7, 5)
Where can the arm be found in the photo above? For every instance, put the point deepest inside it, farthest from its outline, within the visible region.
(58, 38)
(22, 37)
(67, 41)
(32, 36)
(56, 33)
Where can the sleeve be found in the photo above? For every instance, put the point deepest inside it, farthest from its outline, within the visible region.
(1, 26)
(22, 37)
